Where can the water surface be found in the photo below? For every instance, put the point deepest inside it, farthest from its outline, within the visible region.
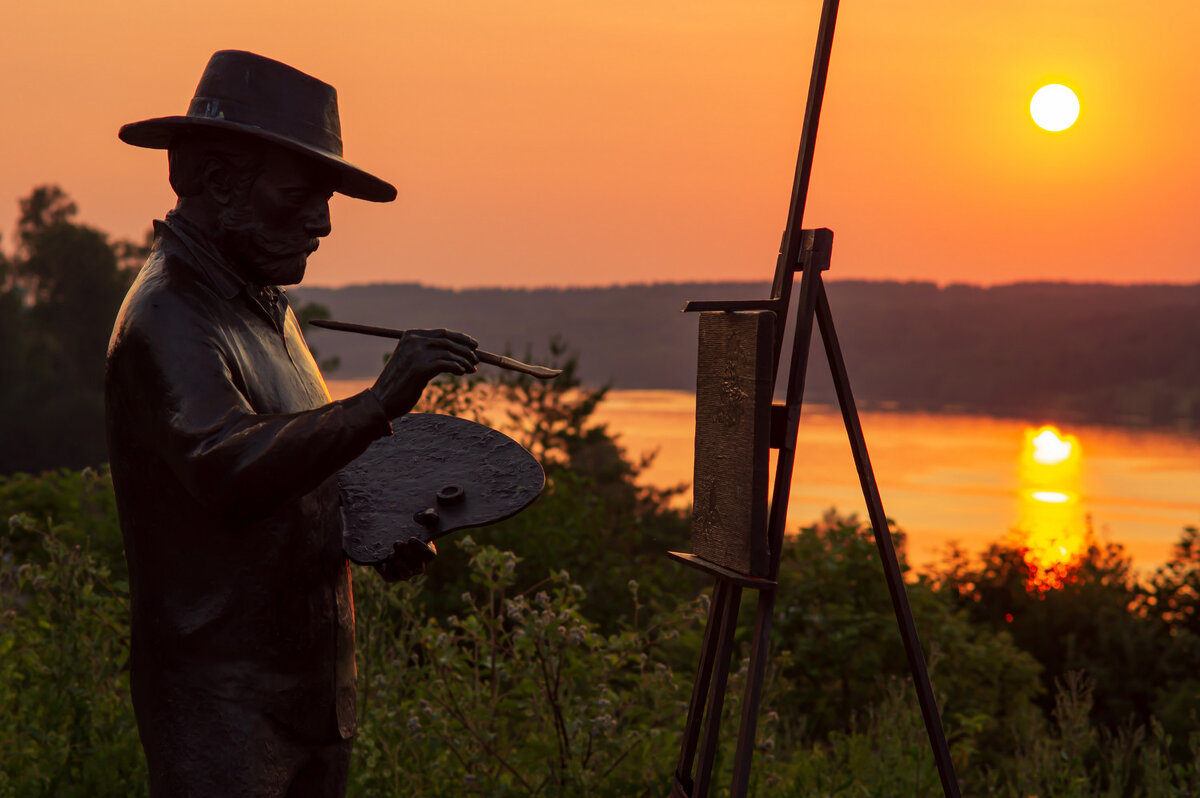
(947, 478)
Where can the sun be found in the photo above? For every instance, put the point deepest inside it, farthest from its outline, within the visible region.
(1054, 107)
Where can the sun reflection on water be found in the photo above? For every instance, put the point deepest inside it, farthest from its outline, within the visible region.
(1048, 448)
(1053, 527)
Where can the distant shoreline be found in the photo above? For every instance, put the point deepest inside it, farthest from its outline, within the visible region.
(1096, 353)
(674, 283)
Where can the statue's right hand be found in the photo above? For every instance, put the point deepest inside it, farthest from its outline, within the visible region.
(419, 356)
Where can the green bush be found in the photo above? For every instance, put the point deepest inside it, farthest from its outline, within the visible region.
(66, 723)
(839, 651)
(515, 694)
(79, 505)
(516, 690)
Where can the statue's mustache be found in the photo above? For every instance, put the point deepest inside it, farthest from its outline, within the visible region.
(284, 246)
(238, 223)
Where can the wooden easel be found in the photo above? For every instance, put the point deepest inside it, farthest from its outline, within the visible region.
(731, 543)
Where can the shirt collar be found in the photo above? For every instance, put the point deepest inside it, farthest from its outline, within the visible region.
(215, 269)
(204, 255)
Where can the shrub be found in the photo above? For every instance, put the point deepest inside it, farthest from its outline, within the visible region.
(66, 723)
(515, 694)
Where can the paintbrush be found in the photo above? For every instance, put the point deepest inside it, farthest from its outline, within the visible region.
(541, 372)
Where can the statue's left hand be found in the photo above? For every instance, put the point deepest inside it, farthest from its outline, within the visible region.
(407, 560)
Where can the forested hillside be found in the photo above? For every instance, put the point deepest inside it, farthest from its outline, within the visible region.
(1101, 353)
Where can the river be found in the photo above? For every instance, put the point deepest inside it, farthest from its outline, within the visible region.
(969, 480)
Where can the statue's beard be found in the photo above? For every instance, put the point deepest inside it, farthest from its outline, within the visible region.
(263, 257)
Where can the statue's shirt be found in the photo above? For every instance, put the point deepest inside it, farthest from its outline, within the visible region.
(224, 444)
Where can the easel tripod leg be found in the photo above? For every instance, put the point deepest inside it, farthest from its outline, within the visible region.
(719, 610)
(744, 755)
(721, 648)
(887, 552)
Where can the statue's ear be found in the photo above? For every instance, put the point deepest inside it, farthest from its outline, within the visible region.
(220, 181)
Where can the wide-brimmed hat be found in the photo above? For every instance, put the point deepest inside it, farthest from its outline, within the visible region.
(246, 93)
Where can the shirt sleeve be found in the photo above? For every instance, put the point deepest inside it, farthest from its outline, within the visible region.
(176, 363)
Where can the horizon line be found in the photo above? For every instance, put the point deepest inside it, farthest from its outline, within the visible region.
(941, 286)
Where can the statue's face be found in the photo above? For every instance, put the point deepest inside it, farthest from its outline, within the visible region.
(271, 229)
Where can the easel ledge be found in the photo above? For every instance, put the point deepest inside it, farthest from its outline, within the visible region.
(712, 569)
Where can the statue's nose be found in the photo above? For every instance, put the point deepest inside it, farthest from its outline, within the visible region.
(318, 224)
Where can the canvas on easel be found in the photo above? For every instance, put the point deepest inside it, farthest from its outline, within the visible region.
(733, 403)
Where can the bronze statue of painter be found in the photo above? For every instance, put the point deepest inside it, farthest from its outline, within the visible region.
(224, 443)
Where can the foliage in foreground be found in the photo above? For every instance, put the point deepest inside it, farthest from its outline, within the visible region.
(66, 721)
(518, 693)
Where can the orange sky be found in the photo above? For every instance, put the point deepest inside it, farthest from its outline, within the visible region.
(577, 142)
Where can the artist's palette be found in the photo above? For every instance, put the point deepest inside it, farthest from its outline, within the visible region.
(434, 475)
